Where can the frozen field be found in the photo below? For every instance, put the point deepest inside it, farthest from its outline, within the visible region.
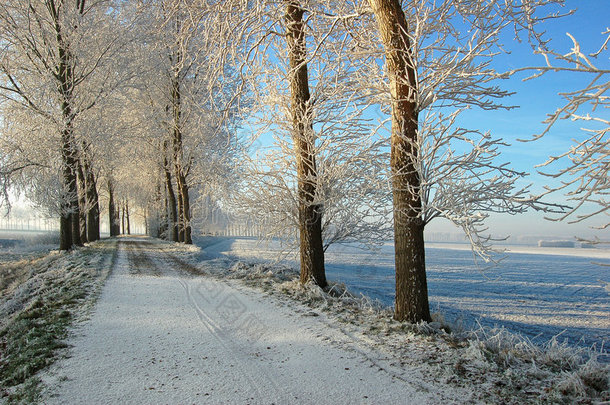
(540, 294)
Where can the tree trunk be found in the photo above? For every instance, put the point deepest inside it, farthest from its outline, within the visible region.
(69, 224)
(112, 215)
(411, 287)
(117, 226)
(180, 224)
(65, 232)
(122, 210)
(172, 220)
(186, 214)
(71, 191)
(163, 223)
(155, 222)
(146, 225)
(67, 221)
(127, 217)
(180, 171)
(177, 145)
(82, 201)
(310, 214)
(93, 214)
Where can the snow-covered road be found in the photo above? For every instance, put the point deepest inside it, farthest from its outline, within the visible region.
(160, 334)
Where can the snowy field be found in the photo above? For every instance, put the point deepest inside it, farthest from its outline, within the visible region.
(540, 294)
(20, 241)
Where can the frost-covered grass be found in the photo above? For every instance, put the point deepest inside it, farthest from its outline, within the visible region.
(42, 296)
(42, 239)
(507, 367)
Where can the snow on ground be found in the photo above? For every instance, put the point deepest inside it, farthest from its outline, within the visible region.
(23, 243)
(591, 253)
(503, 367)
(540, 292)
(161, 335)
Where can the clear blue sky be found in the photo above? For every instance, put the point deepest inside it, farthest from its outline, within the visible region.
(536, 99)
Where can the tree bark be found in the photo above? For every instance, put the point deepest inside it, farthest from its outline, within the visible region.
(65, 232)
(310, 214)
(117, 216)
(122, 210)
(162, 215)
(70, 184)
(93, 213)
(177, 149)
(411, 286)
(64, 74)
(127, 217)
(112, 214)
(172, 220)
(164, 228)
(147, 225)
(180, 224)
(82, 201)
(69, 224)
(186, 211)
(153, 221)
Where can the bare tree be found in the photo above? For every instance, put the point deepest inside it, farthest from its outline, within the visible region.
(315, 182)
(433, 66)
(583, 174)
(52, 68)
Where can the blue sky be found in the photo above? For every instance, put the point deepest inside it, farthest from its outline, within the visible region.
(535, 99)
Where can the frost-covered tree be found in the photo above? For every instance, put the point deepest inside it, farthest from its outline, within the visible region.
(303, 138)
(54, 69)
(438, 60)
(583, 171)
(311, 173)
(173, 114)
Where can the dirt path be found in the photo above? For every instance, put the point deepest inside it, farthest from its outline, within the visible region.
(160, 334)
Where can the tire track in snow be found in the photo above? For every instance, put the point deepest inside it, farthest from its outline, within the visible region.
(142, 264)
(208, 322)
(232, 348)
(351, 343)
(216, 331)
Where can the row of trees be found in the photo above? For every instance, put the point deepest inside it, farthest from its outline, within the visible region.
(337, 121)
(48, 81)
(120, 88)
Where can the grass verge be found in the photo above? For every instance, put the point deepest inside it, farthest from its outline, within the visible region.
(58, 289)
